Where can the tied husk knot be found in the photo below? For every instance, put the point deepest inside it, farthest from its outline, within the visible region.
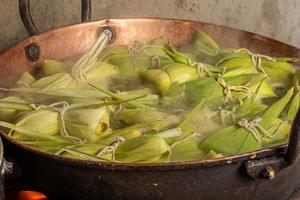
(254, 127)
(256, 59)
(229, 88)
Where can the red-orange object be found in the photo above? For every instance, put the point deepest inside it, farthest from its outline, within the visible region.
(25, 195)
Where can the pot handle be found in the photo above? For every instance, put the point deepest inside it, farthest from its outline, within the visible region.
(24, 9)
(293, 151)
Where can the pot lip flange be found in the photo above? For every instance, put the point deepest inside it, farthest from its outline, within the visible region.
(228, 160)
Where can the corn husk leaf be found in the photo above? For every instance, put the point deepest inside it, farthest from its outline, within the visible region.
(198, 90)
(112, 50)
(293, 107)
(249, 108)
(275, 109)
(9, 106)
(141, 149)
(280, 73)
(279, 130)
(87, 123)
(186, 150)
(55, 81)
(127, 133)
(101, 73)
(42, 121)
(181, 73)
(234, 60)
(51, 67)
(158, 78)
(230, 140)
(174, 55)
(155, 119)
(204, 43)
(149, 99)
(84, 149)
(25, 80)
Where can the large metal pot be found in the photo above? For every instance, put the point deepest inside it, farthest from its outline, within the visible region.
(264, 174)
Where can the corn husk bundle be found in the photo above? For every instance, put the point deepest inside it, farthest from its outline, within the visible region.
(142, 149)
(151, 102)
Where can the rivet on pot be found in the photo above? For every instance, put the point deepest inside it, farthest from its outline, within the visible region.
(32, 52)
(269, 173)
(111, 31)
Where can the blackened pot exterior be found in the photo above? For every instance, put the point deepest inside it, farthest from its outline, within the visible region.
(61, 179)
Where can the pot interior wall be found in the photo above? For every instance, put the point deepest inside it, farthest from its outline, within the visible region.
(73, 40)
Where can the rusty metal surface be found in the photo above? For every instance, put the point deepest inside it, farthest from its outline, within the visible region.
(208, 179)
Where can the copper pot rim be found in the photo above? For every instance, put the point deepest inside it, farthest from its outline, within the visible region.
(108, 20)
(227, 160)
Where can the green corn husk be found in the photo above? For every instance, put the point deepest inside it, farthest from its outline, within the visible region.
(141, 149)
(51, 67)
(55, 81)
(26, 135)
(158, 78)
(43, 121)
(186, 150)
(174, 132)
(155, 119)
(41, 145)
(185, 125)
(294, 107)
(249, 107)
(126, 134)
(230, 140)
(280, 73)
(149, 99)
(129, 64)
(25, 80)
(213, 155)
(266, 90)
(81, 152)
(197, 90)
(69, 94)
(181, 73)
(87, 123)
(233, 140)
(153, 48)
(239, 71)
(187, 59)
(128, 102)
(279, 130)
(170, 75)
(206, 85)
(10, 106)
(202, 42)
(253, 82)
(275, 109)
(234, 60)
(174, 55)
(101, 73)
(113, 50)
